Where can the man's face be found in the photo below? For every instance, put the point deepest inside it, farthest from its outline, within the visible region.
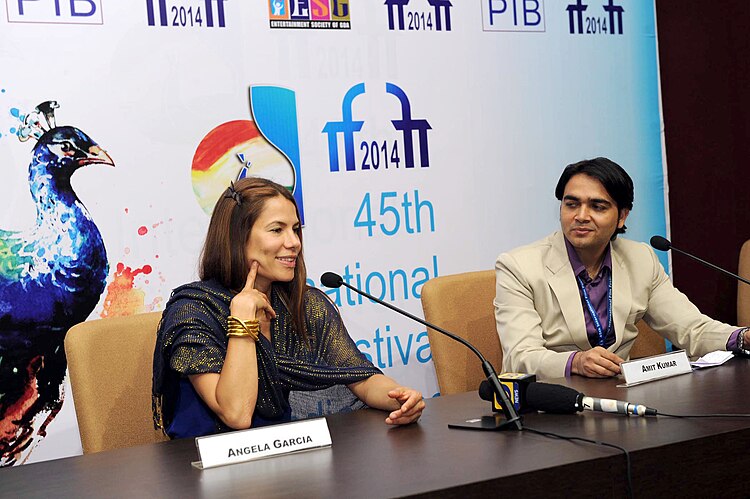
(588, 215)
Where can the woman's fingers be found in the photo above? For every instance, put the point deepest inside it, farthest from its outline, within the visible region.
(251, 275)
(411, 408)
(250, 303)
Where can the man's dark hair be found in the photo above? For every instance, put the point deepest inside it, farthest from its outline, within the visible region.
(613, 177)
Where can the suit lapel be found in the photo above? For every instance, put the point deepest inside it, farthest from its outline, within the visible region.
(622, 297)
(564, 287)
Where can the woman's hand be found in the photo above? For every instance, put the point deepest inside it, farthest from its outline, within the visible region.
(411, 408)
(381, 392)
(250, 303)
(232, 394)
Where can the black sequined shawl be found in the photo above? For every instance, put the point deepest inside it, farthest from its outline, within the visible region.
(192, 340)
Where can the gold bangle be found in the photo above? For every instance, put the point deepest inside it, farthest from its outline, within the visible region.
(237, 328)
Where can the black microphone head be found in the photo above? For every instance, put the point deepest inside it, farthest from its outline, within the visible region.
(660, 243)
(555, 399)
(486, 392)
(331, 280)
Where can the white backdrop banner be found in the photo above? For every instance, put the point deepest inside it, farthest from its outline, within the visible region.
(420, 138)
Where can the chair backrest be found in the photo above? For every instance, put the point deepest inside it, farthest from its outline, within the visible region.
(647, 343)
(110, 362)
(743, 290)
(462, 304)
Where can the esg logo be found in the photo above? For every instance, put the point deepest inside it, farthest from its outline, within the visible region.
(391, 149)
(315, 10)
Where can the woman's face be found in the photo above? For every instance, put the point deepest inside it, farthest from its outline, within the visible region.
(274, 243)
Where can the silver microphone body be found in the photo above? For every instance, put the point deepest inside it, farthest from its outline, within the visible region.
(615, 406)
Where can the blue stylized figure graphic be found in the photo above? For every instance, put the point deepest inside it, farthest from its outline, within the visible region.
(576, 8)
(614, 10)
(442, 5)
(407, 125)
(399, 4)
(347, 126)
(277, 8)
(246, 164)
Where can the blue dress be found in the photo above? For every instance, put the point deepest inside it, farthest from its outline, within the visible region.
(192, 340)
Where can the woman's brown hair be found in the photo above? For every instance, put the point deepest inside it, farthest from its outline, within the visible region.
(223, 256)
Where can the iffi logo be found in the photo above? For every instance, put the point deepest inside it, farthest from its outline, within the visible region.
(388, 153)
(404, 15)
(583, 21)
(188, 14)
(55, 11)
(309, 14)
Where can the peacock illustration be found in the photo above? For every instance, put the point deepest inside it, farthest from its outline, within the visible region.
(51, 277)
(53, 274)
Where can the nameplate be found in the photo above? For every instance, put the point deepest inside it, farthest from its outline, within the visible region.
(257, 443)
(655, 367)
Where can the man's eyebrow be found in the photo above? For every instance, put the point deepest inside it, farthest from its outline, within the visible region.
(570, 197)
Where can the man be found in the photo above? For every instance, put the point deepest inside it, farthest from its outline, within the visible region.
(568, 304)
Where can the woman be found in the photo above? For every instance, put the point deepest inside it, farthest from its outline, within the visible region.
(232, 346)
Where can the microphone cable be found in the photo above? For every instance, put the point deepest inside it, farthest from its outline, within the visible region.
(628, 467)
(716, 415)
(628, 473)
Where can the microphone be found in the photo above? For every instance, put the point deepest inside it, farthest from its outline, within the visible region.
(331, 280)
(663, 244)
(514, 385)
(512, 419)
(558, 399)
(616, 406)
(660, 243)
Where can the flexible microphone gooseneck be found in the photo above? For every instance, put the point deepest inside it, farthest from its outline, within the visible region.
(663, 244)
(513, 420)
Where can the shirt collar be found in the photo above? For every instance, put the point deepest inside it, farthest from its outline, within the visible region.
(579, 268)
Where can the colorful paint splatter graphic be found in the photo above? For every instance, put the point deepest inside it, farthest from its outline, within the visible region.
(123, 297)
(129, 286)
(51, 277)
(234, 150)
(8, 122)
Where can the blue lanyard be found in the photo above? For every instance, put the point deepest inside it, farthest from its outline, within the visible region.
(592, 311)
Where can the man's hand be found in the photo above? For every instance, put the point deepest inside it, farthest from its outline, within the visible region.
(596, 363)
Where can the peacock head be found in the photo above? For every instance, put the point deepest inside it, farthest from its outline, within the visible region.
(67, 148)
(60, 150)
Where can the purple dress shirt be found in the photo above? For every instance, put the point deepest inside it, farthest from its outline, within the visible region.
(597, 291)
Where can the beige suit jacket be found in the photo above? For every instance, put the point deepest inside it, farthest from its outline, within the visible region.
(540, 317)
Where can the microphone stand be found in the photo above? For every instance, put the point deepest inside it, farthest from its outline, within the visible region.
(663, 244)
(512, 419)
(710, 265)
